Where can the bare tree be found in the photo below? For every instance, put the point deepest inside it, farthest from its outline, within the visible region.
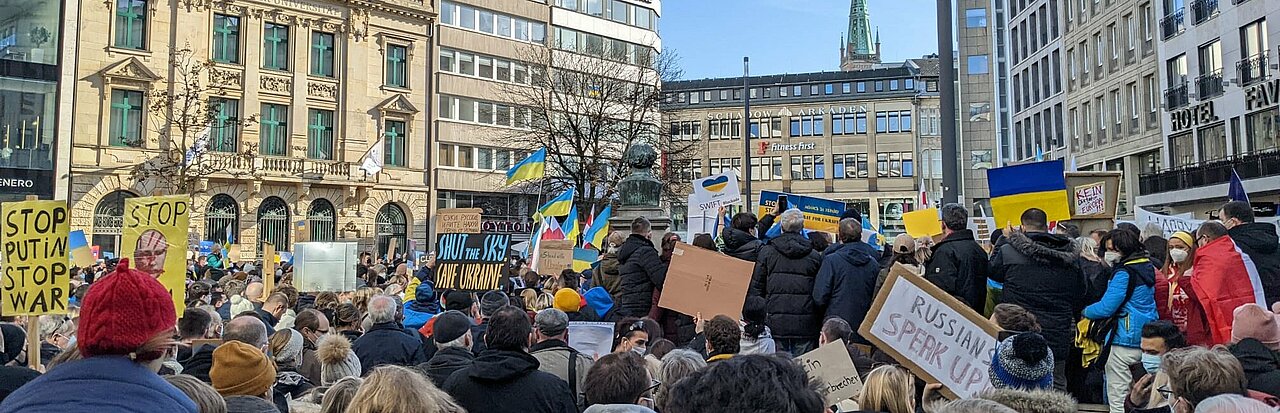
(587, 111)
(185, 116)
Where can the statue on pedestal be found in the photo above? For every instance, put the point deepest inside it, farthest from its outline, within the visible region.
(640, 192)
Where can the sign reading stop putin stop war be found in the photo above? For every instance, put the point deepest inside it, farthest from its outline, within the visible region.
(35, 257)
(932, 333)
(155, 238)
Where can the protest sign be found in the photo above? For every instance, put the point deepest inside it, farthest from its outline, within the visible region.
(324, 266)
(922, 223)
(232, 254)
(36, 273)
(97, 252)
(706, 282)
(831, 366)
(932, 333)
(206, 247)
(472, 262)
(982, 227)
(819, 214)
(1093, 195)
(268, 270)
(592, 339)
(554, 256)
(714, 191)
(458, 221)
(155, 236)
(1090, 200)
(81, 255)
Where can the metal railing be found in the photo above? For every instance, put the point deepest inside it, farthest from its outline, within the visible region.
(1248, 165)
(1176, 97)
(1209, 85)
(1204, 10)
(1253, 69)
(1172, 25)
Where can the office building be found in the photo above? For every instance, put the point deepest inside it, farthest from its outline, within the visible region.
(983, 105)
(36, 61)
(1037, 96)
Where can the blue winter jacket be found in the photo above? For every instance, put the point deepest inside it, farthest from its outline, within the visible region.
(1134, 314)
(846, 283)
(103, 384)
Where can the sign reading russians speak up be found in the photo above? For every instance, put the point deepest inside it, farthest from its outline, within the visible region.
(932, 333)
(471, 262)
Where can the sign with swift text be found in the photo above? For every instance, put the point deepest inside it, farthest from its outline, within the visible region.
(472, 262)
(36, 274)
(155, 237)
(715, 191)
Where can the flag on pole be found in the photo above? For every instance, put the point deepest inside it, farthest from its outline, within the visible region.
(532, 167)
(571, 222)
(553, 231)
(599, 229)
(1236, 191)
(558, 206)
(373, 159)
(589, 219)
(198, 148)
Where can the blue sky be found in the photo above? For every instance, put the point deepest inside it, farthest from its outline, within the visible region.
(786, 36)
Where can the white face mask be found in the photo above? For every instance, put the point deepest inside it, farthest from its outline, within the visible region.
(1178, 255)
(639, 350)
(1113, 257)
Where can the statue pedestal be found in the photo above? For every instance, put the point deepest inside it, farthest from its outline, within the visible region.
(659, 222)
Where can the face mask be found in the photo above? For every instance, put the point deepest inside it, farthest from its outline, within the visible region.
(1113, 257)
(1151, 363)
(1178, 255)
(639, 350)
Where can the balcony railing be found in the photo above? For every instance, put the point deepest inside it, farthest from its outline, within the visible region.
(1172, 25)
(1209, 85)
(1204, 10)
(1214, 172)
(1252, 70)
(1176, 97)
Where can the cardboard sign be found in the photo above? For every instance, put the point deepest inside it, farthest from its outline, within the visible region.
(591, 338)
(458, 221)
(922, 223)
(714, 191)
(1091, 199)
(554, 256)
(232, 254)
(1093, 195)
(36, 273)
(471, 262)
(155, 237)
(831, 366)
(936, 336)
(707, 282)
(268, 270)
(324, 266)
(819, 214)
(982, 228)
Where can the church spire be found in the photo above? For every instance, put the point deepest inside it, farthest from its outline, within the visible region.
(860, 41)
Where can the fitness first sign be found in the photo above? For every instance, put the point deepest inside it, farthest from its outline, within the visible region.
(21, 182)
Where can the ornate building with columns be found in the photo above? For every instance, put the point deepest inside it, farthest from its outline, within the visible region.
(323, 85)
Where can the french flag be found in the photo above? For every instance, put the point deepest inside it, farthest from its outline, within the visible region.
(1225, 278)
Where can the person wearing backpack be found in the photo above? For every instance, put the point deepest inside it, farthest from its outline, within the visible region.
(1128, 305)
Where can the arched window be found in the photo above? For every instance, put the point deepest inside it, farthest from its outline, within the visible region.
(108, 219)
(273, 223)
(321, 220)
(391, 227)
(222, 220)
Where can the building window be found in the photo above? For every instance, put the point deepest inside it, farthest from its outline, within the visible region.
(393, 146)
(274, 223)
(862, 87)
(767, 168)
(686, 131)
(848, 166)
(397, 73)
(322, 54)
(1181, 151)
(445, 155)
(845, 88)
(221, 219)
(975, 18)
(1263, 130)
(226, 38)
(275, 130)
(807, 126)
(391, 227)
(721, 129)
(807, 167)
(1253, 52)
(320, 134)
(1213, 142)
(879, 85)
(978, 65)
(321, 220)
(830, 89)
(275, 46)
(849, 124)
(131, 24)
(126, 118)
(882, 122)
(765, 128)
(225, 136)
(604, 47)
(895, 165)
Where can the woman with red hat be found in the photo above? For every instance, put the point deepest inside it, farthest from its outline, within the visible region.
(127, 326)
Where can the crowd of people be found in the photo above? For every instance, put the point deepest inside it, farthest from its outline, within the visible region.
(1118, 316)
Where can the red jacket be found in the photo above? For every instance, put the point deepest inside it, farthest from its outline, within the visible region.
(1188, 315)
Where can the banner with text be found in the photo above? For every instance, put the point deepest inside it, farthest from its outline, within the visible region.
(325, 266)
(36, 276)
(1182, 222)
(714, 191)
(819, 214)
(472, 262)
(155, 238)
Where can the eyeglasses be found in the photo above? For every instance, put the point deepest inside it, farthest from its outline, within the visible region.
(653, 385)
(1165, 392)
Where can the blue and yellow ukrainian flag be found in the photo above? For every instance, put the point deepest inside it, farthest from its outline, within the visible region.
(558, 206)
(1015, 189)
(583, 258)
(533, 167)
(81, 255)
(571, 223)
(599, 229)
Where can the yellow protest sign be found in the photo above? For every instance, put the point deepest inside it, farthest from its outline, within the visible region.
(155, 238)
(35, 257)
(922, 223)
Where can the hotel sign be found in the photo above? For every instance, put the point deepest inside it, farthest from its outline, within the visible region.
(1188, 118)
(1262, 95)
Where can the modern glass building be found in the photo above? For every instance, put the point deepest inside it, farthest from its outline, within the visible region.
(30, 69)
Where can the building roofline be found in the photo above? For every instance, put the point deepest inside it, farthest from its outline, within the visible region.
(900, 70)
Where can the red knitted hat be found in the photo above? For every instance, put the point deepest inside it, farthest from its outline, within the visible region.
(122, 312)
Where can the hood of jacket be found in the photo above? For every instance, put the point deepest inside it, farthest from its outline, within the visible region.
(617, 408)
(450, 358)
(855, 254)
(1043, 247)
(502, 366)
(1259, 236)
(101, 384)
(599, 300)
(1040, 401)
(792, 245)
(736, 240)
(1139, 265)
(631, 245)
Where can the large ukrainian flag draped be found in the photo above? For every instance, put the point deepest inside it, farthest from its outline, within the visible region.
(1015, 189)
(599, 229)
(558, 206)
(530, 168)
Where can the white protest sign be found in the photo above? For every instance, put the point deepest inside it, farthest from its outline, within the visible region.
(700, 221)
(324, 266)
(1091, 199)
(831, 366)
(936, 336)
(591, 338)
(714, 191)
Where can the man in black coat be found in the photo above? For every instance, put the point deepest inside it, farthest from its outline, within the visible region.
(387, 342)
(452, 335)
(784, 276)
(958, 264)
(846, 281)
(505, 378)
(1258, 240)
(1039, 273)
(641, 269)
(739, 242)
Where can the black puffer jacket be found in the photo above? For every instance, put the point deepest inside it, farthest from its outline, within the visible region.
(740, 244)
(958, 266)
(199, 363)
(642, 271)
(509, 381)
(784, 276)
(1040, 273)
(1258, 239)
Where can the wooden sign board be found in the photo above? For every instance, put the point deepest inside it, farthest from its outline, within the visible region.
(268, 270)
(831, 366)
(554, 256)
(458, 221)
(933, 334)
(706, 282)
